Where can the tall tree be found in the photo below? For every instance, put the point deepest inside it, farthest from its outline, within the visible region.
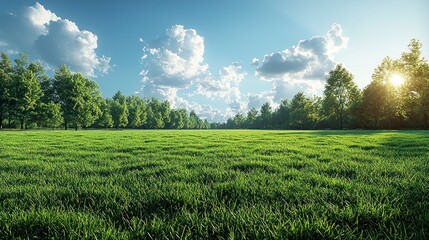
(27, 93)
(299, 111)
(281, 115)
(78, 96)
(119, 110)
(134, 111)
(105, 120)
(416, 89)
(265, 117)
(5, 85)
(251, 118)
(339, 94)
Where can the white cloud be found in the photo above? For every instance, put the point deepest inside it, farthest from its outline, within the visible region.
(41, 33)
(255, 62)
(303, 67)
(309, 59)
(175, 62)
(175, 59)
(226, 86)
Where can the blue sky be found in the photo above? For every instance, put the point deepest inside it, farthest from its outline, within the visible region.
(216, 57)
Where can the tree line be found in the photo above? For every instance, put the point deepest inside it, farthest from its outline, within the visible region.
(380, 105)
(31, 99)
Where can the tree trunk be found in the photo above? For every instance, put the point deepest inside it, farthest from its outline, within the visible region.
(22, 123)
(75, 127)
(65, 124)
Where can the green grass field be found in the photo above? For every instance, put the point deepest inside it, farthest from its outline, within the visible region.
(214, 184)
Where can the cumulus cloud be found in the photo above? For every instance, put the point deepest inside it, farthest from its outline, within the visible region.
(41, 33)
(309, 59)
(226, 86)
(175, 62)
(302, 67)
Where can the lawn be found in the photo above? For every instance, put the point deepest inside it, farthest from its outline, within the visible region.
(222, 184)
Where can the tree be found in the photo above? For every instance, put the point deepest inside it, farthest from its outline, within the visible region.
(134, 111)
(281, 115)
(78, 96)
(48, 115)
(5, 85)
(314, 112)
(105, 120)
(119, 110)
(27, 93)
(373, 100)
(265, 117)
(194, 121)
(380, 98)
(299, 110)
(238, 121)
(251, 118)
(339, 94)
(416, 86)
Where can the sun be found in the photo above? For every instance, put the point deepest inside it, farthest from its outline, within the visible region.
(396, 79)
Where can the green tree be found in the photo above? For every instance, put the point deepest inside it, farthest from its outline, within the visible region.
(105, 120)
(265, 116)
(281, 115)
(5, 86)
(416, 86)
(194, 121)
(48, 115)
(27, 93)
(134, 111)
(299, 111)
(119, 110)
(78, 96)
(251, 118)
(339, 94)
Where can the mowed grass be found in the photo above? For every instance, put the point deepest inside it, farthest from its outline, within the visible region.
(214, 184)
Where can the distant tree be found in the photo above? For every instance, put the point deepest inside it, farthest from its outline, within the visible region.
(299, 111)
(315, 115)
(5, 86)
(251, 118)
(265, 116)
(134, 111)
(185, 118)
(78, 96)
(155, 118)
(281, 116)
(194, 121)
(238, 121)
(416, 86)
(27, 93)
(105, 120)
(119, 110)
(380, 98)
(339, 94)
(165, 112)
(176, 120)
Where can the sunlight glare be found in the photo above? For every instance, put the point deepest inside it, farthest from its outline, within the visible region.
(396, 80)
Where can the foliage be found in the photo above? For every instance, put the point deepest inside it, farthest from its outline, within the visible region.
(340, 92)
